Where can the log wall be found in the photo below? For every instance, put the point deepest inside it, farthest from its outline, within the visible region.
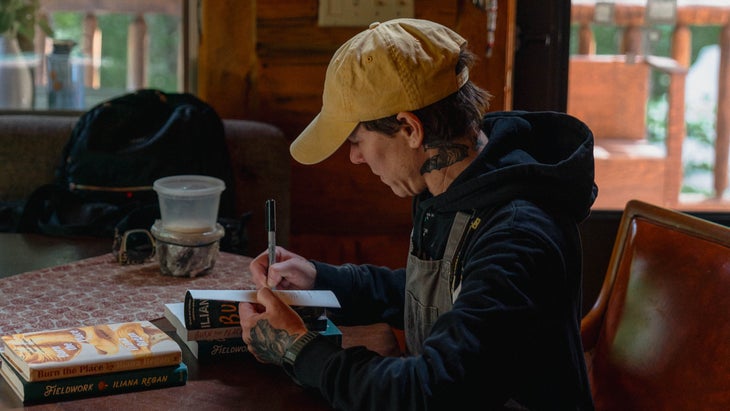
(267, 60)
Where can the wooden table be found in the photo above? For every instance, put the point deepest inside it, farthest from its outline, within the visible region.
(244, 384)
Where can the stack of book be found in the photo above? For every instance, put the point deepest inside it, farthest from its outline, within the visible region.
(208, 321)
(206, 344)
(81, 362)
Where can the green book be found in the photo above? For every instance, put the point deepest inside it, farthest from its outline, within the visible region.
(35, 392)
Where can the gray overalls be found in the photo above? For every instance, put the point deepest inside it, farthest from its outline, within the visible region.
(428, 286)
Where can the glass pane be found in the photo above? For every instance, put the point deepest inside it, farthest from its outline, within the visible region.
(699, 98)
(127, 50)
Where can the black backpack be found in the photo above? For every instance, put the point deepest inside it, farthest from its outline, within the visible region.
(115, 153)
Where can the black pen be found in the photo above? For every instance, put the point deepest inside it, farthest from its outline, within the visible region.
(271, 229)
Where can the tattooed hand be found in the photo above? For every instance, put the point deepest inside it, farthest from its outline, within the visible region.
(269, 327)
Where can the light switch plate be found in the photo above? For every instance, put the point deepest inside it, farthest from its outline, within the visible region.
(354, 13)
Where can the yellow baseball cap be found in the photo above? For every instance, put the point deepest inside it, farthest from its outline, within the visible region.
(398, 65)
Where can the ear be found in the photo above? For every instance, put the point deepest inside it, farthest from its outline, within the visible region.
(411, 128)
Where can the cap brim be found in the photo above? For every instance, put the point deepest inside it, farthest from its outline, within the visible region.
(320, 139)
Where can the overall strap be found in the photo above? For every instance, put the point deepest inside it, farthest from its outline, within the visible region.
(472, 222)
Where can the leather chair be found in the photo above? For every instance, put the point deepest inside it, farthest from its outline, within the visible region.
(658, 336)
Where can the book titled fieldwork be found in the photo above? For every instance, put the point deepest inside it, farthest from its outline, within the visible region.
(99, 349)
(230, 348)
(87, 386)
(219, 308)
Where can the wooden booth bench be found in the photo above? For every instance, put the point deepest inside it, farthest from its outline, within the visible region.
(31, 147)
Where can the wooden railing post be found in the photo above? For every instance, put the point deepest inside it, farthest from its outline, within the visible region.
(722, 143)
(632, 42)
(682, 45)
(676, 133)
(40, 49)
(90, 43)
(137, 53)
(586, 39)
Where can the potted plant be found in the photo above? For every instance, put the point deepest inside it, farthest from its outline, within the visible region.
(20, 18)
(18, 21)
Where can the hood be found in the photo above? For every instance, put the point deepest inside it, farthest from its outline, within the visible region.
(543, 157)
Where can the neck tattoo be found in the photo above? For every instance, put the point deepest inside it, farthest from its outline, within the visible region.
(447, 154)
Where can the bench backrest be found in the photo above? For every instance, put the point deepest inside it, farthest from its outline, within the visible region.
(31, 147)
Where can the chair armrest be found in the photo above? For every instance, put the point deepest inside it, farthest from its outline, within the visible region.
(666, 64)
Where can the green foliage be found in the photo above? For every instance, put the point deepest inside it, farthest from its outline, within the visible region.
(656, 116)
(163, 34)
(20, 17)
(114, 48)
(68, 25)
(703, 36)
(164, 43)
(702, 131)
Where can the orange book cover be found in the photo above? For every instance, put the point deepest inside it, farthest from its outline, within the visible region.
(99, 349)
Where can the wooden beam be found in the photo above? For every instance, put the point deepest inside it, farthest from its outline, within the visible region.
(227, 65)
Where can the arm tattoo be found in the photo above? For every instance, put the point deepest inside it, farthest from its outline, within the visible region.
(448, 154)
(269, 343)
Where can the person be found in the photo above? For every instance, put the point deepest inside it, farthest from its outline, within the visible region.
(490, 298)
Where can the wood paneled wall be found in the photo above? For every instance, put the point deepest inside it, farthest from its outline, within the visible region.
(266, 61)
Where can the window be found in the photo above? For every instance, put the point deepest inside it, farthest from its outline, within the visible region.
(117, 47)
(693, 49)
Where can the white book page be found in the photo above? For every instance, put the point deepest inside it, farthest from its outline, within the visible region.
(301, 298)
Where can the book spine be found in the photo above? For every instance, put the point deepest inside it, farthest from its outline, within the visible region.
(55, 373)
(332, 333)
(212, 333)
(230, 348)
(105, 384)
(219, 350)
(200, 314)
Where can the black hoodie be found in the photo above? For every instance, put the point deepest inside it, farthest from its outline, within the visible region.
(512, 338)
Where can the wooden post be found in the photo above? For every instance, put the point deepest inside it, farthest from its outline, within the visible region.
(632, 42)
(89, 48)
(137, 53)
(676, 131)
(722, 144)
(682, 45)
(586, 40)
(39, 46)
(227, 65)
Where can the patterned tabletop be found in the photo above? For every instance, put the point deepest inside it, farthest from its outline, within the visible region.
(100, 290)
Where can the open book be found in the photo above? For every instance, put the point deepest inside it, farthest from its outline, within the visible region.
(219, 308)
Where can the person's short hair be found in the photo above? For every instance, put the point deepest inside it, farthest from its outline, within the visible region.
(450, 118)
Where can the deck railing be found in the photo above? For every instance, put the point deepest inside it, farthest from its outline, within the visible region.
(137, 37)
(631, 17)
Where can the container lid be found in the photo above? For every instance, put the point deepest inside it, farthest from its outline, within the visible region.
(63, 46)
(188, 186)
(187, 239)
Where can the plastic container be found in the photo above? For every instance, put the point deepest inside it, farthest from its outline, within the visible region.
(189, 203)
(186, 255)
